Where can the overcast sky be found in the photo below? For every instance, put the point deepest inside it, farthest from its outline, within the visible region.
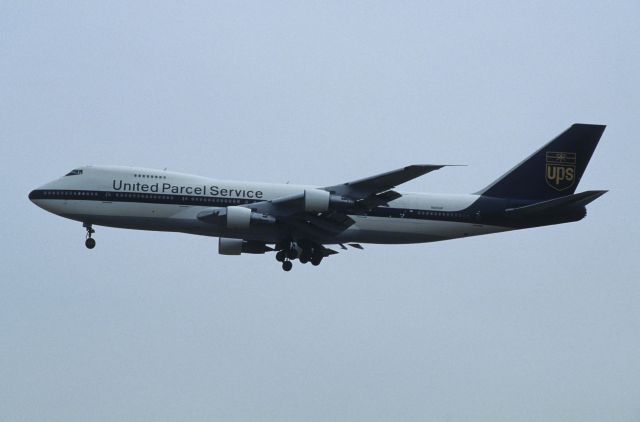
(537, 325)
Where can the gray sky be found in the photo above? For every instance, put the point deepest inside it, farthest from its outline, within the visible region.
(538, 325)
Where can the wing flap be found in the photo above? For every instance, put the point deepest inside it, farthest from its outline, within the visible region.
(323, 225)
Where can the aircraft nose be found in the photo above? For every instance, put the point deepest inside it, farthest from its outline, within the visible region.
(37, 195)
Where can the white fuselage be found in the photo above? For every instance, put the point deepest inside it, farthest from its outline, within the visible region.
(146, 199)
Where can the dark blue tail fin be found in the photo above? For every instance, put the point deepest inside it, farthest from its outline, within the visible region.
(554, 170)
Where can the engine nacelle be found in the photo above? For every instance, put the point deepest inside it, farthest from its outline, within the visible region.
(316, 200)
(234, 217)
(339, 203)
(227, 246)
(238, 218)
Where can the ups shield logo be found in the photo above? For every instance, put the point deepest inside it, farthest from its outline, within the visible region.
(561, 170)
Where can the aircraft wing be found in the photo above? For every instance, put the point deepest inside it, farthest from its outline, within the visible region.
(294, 212)
(324, 212)
(357, 195)
(361, 188)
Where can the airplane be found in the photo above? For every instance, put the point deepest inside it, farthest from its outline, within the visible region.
(306, 222)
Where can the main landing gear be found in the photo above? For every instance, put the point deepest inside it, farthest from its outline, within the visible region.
(305, 252)
(284, 256)
(90, 243)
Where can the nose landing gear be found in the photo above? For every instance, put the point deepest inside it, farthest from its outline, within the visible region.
(90, 242)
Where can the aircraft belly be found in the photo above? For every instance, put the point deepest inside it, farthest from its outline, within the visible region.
(181, 218)
(132, 215)
(158, 217)
(119, 209)
(407, 230)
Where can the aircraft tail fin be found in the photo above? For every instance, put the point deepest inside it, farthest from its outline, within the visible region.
(554, 170)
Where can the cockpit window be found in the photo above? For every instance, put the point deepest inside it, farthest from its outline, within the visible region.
(74, 172)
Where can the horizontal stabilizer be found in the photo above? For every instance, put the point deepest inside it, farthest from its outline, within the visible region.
(558, 204)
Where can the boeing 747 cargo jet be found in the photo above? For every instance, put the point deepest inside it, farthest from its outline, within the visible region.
(305, 222)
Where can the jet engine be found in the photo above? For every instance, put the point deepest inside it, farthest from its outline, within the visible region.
(227, 246)
(316, 200)
(238, 218)
(234, 217)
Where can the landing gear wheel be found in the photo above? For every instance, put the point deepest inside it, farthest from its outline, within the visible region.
(89, 243)
(287, 265)
(280, 256)
(316, 260)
